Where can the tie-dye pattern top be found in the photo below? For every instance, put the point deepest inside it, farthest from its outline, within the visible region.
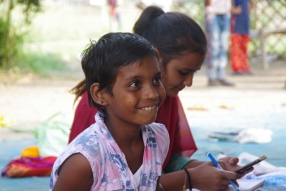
(107, 161)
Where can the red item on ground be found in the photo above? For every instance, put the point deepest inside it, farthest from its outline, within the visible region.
(29, 166)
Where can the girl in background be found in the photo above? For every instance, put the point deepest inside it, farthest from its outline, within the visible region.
(240, 26)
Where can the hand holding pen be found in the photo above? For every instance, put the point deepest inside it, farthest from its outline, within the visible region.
(214, 161)
(207, 177)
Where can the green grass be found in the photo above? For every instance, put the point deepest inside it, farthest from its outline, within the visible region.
(43, 64)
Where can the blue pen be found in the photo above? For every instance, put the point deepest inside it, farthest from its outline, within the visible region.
(218, 166)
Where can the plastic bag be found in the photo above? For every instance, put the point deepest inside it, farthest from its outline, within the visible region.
(254, 135)
(52, 135)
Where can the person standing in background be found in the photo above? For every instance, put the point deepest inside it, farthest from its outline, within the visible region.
(217, 23)
(240, 26)
(114, 13)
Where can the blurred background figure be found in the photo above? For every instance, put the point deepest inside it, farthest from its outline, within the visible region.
(114, 14)
(240, 26)
(110, 15)
(217, 23)
(163, 4)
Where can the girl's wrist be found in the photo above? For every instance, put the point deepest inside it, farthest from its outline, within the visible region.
(188, 181)
(196, 172)
(192, 173)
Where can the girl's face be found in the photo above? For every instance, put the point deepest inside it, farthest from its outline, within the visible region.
(137, 94)
(180, 71)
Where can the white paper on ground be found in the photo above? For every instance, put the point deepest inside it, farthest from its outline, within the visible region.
(247, 185)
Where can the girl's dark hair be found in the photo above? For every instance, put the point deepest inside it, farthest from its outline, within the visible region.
(101, 60)
(172, 33)
(78, 90)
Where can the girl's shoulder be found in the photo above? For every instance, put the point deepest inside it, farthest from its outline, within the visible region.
(157, 130)
(91, 142)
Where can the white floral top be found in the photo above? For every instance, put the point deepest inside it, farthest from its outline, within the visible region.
(107, 161)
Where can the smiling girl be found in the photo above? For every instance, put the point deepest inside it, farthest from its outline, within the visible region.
(123, 149)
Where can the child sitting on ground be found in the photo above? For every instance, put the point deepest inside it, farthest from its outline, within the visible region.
(123, 149)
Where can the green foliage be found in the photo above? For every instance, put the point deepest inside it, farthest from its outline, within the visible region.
(10, 42)
(29, 7)
(3, 42)
(43, 64)
(11, 34)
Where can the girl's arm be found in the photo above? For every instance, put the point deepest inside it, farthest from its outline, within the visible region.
(204, 177)
(74, 174)
(178, 162)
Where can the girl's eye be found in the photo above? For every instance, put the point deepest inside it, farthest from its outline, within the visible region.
(187, 73)
(183, 73)
(157, 80)
(134, 84)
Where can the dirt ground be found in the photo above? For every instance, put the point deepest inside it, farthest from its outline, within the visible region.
(31, 100)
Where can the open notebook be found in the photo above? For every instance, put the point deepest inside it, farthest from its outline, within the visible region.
(245, 185)
(248, 185)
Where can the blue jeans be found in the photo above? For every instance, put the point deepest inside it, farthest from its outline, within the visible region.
(217, 32)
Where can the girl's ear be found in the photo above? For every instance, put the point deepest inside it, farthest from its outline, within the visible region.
(98, 95)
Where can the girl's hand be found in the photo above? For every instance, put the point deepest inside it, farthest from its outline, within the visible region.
(230, 163)
(206, 177)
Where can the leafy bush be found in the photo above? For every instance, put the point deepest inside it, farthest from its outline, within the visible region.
(10, 42)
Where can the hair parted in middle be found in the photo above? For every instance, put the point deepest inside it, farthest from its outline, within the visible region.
(172, 33)
(101, 60)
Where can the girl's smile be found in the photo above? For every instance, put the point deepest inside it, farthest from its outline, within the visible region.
(149, 108)
(136, 96)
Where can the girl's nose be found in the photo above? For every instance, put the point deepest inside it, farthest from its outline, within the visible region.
(151, 93)
(189, 80)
